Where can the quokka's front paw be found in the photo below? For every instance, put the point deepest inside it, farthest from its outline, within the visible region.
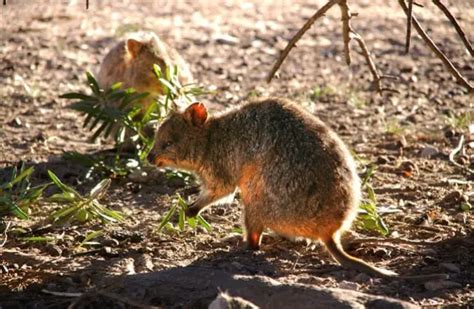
(192, 211)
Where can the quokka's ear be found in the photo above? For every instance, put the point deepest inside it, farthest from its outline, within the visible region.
(196, 114)
(134, 47)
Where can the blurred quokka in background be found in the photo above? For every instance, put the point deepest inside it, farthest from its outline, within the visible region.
(131, 63)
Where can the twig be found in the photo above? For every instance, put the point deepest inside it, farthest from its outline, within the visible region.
(455, 151)
(461, 80)
(377, 79)
(409, 20)
(298, 36)
(62, 294)
(346, 29)
(456, 25)
(5, 235)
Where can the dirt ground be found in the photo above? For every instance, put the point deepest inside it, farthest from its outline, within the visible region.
(46, 47)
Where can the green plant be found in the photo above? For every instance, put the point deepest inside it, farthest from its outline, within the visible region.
(118, 113)
(87, 241)
(17, 195)
(180, 206)
(460, 121)
(107, 164)
(392, 127)
(79, 208)
(369, 218)
(319, 92)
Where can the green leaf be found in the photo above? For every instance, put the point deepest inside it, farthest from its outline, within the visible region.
(64, 212)
(38, 239)
(61, 185)
(90, 236)
(202, 222)
(78, 96)
(23, 174)
(65, 197)
(181, 219)
(93, 83)
(100, 189)
(167, 217)
(157, 70)
(17, 211)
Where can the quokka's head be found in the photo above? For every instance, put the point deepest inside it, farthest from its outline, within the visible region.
(181, 138)
(141, 58)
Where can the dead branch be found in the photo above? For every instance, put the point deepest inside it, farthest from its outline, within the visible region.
(347, 32)
(455, 151)
(409, 20)
(461, 80)
(346, 29)
(456, 25)
(298, 36)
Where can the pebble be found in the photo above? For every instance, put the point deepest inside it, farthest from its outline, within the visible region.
(450, 267)
(362, 278)
(3, 269)
(461, 217)
(429, 151)
(441, 285)
(53, 250)
(348, 285)
(451, 198)
(110, 242)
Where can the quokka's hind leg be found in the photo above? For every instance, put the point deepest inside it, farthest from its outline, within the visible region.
(254, 230)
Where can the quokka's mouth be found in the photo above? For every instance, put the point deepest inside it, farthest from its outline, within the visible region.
(162, 162)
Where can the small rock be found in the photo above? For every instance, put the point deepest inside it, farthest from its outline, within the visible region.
(450, 267)
(452, 198)
(16, 123)
(221, 38)
(382, 160)
(110, 242)
(362, 278)
(137, 237)
(463, 160)
(429, 151)
(108, 252)
(461, 217)
(225, 301)
(3, 269)
(139, 175)
(53, 250)
(349, 285)
(441, 285)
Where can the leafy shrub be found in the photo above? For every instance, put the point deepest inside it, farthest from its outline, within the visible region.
(17, 195)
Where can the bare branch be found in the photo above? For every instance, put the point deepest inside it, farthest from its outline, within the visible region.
(346, 29)
(298, 36)
(456, 25)
(461, 80)
(377, 79)
(409, 20)
(348, 34)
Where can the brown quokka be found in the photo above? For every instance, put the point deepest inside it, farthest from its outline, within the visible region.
(131, 63)
(295, 175)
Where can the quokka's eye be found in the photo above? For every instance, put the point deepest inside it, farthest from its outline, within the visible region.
(167, 145)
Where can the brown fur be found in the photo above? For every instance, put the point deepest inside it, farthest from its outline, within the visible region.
(295, 174)
(131, 63)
